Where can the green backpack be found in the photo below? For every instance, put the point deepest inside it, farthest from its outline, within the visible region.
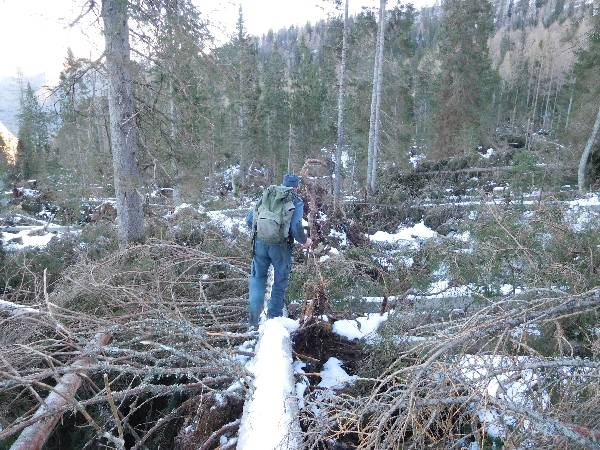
(273, 214)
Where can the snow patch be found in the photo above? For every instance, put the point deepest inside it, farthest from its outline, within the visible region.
(410, 235)
(416, 159)
(333, 376)
(360, 327)
(340, 236)
(228, 224)
(488, 153)
(517, 386)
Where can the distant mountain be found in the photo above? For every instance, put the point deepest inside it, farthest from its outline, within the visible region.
(10, 143)
(9, 98)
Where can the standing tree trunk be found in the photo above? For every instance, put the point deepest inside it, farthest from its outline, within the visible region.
(123, 127)
(585, 156)
(553, 112)
(172, 16)
(174, 165)
(548, 95)
(570, 105)
(531, 124)
(290, 141)
(342, 93)
(375, 104)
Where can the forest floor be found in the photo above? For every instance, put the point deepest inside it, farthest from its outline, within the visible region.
(469, 321)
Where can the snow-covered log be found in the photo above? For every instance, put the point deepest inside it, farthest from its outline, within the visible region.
(270, 419)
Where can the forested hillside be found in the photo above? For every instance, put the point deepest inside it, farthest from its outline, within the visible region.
(255, 101)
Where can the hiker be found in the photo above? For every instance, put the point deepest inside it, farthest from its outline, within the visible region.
(276, 221)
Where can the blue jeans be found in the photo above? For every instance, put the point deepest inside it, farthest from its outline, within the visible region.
(280, 256)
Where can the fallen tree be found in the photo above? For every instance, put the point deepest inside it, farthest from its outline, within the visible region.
(468, 379)
(176, 316)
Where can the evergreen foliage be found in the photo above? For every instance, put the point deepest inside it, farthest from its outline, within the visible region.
(466, 81)
(250, 101)
(33, 147)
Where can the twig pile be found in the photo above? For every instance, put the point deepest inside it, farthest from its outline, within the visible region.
(175, 317)
(461, 380)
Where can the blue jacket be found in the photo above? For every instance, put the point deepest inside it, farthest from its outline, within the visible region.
(296, 228)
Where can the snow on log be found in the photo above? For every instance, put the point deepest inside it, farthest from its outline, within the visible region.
(270, 418)
(14, 309)
(35, 436)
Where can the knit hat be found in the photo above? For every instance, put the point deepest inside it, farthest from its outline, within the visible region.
(291, 180)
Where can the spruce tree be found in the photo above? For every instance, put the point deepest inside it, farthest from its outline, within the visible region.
(308, 94)
(33, 145)
(123, 126)
(466, 81)
(275, 112)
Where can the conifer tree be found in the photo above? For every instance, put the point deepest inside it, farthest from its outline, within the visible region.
(466, 81)
(33, 145)
(123, 126)
(308, 94)
(275, 111)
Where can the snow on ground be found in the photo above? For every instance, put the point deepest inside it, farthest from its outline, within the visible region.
(32, 236)
(270, 418)
(518, 387)
(507, 289)
(230, 172)
(530, 329)
(589, 200)
(228, 220)
(488, 153)
(405, 235)
(579, 216)
(340, 236)
(333, 376)
(416, 159)
(360, 327)
(227, 223)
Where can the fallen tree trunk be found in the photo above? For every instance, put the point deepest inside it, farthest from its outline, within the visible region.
(14, 309)
(270, 419)
(35, 436)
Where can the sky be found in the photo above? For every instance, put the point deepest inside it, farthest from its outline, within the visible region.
(35, 34)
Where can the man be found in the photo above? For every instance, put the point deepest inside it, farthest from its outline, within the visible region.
(276, 222)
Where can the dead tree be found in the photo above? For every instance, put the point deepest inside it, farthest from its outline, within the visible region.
(35, 436)
(123, 126)
(316, 177)
(342, 92)
(375, 104)
(585, 156)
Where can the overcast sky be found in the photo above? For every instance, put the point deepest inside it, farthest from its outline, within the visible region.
(35, 34)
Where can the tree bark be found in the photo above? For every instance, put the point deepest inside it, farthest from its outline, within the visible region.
(290, 140)
(375, 103)
(585, 156)
(172, 16)
(376, 134)
(35, 436)
(123, 127)
(531, 123)
(570, 105)
(342, 93)
(548, 95)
